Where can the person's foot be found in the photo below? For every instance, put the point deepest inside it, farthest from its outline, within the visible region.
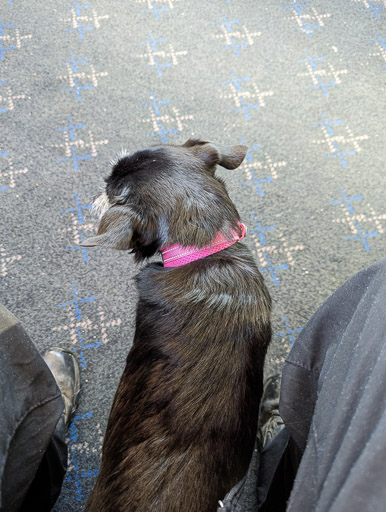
(270, 422)
(65, 369)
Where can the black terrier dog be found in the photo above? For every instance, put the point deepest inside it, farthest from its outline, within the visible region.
(183, 423)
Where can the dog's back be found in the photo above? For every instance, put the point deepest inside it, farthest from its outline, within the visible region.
(183, 422)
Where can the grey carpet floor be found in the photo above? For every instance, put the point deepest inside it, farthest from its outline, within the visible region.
(302, 84)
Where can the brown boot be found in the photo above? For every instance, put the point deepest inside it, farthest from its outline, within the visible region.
(65, 369)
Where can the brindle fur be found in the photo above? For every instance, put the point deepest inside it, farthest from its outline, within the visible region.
(183, 423)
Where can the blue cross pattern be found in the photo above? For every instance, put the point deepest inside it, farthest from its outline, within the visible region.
(235, 46)
(374, 9)
(381, 40)
(338, 153)
(287, 332)
(362, 235)
(81, 345)
(78, 10)
(77, 87)
(269, 268)
(156, 10)
(71, 130)
(161, 130)
(3, 49)
(3, 153)
(153, 43)
(76, 474)
(256, 181)
(299, 8)
(243, 108)
(313, 63)
(79, 210)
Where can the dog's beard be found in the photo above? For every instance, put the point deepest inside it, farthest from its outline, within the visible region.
(100, 205)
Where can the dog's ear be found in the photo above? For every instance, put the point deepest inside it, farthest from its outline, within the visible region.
(229, 157)
(115, 230)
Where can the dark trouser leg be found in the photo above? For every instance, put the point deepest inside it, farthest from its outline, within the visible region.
(278, 491)
(45, 487)
(31, 407)
(331, 455)
(333, 400)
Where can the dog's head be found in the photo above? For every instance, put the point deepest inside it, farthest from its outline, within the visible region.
(165, 195)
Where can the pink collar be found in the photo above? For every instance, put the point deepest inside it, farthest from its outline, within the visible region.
(176, 255)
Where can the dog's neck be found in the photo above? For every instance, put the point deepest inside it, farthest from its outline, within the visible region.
(176, 255)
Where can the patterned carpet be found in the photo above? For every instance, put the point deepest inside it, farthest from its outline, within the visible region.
(301, 83)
